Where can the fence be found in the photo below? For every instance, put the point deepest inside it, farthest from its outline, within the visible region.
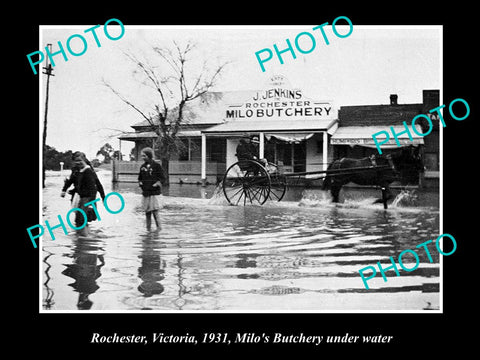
(188, 172)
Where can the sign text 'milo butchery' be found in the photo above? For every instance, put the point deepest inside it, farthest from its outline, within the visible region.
(277, 103)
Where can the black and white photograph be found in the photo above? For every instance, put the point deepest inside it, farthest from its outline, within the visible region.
(242, 168)
(289, 178)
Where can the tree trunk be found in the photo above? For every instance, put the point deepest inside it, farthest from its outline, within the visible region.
(165, 163)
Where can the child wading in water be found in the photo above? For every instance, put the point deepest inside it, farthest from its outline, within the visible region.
(150, 179)
(87, 185)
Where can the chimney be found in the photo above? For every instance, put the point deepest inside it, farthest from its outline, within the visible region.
(431, 99)
(393, 99)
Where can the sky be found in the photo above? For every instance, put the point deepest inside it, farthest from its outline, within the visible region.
(363, 68)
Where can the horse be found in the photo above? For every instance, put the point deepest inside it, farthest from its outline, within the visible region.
(380, 170)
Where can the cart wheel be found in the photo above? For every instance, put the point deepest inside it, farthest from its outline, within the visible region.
(246, 182)
(278, 182)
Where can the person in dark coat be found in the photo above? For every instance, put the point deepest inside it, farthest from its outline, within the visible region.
(150, 179)
(69, 182)
(73, 179)
(246, 150)
(86, 185)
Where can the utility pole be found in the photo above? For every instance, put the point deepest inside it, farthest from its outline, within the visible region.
(48, 71)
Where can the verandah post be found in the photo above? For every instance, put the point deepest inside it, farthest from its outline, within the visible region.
(204, 160)
(261, 147)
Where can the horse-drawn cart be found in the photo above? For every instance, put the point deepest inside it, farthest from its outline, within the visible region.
(255, 182)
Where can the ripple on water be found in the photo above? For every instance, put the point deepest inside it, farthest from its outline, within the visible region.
(209, 255)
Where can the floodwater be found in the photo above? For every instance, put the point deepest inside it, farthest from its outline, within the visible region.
(301, 254)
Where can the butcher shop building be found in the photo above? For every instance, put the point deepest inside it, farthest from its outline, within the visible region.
(297, 132)
(289, 129)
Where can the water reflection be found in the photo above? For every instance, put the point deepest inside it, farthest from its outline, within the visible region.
(152, 268)
(48, 301)
(207, 256)
(88, 260)
(180, 301)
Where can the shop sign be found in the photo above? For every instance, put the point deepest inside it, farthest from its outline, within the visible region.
(280, 102)
(350, 141)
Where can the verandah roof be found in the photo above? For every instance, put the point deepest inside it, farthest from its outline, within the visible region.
(255, 126)
(362, 136)
(146, 135)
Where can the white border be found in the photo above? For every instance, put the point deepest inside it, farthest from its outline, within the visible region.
(41, 84)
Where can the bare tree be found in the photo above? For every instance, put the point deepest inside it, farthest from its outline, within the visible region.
(174, 86)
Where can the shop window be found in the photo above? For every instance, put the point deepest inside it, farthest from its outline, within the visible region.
(431, 162)
(216, 150)
(183, 154)
(284, 153)
(293, 155)
(269, 152)
(299, 157)
(195, 149)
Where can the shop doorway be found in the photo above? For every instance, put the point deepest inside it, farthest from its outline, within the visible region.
(293, 156)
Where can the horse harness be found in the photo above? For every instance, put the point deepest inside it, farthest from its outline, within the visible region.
(373, 160)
